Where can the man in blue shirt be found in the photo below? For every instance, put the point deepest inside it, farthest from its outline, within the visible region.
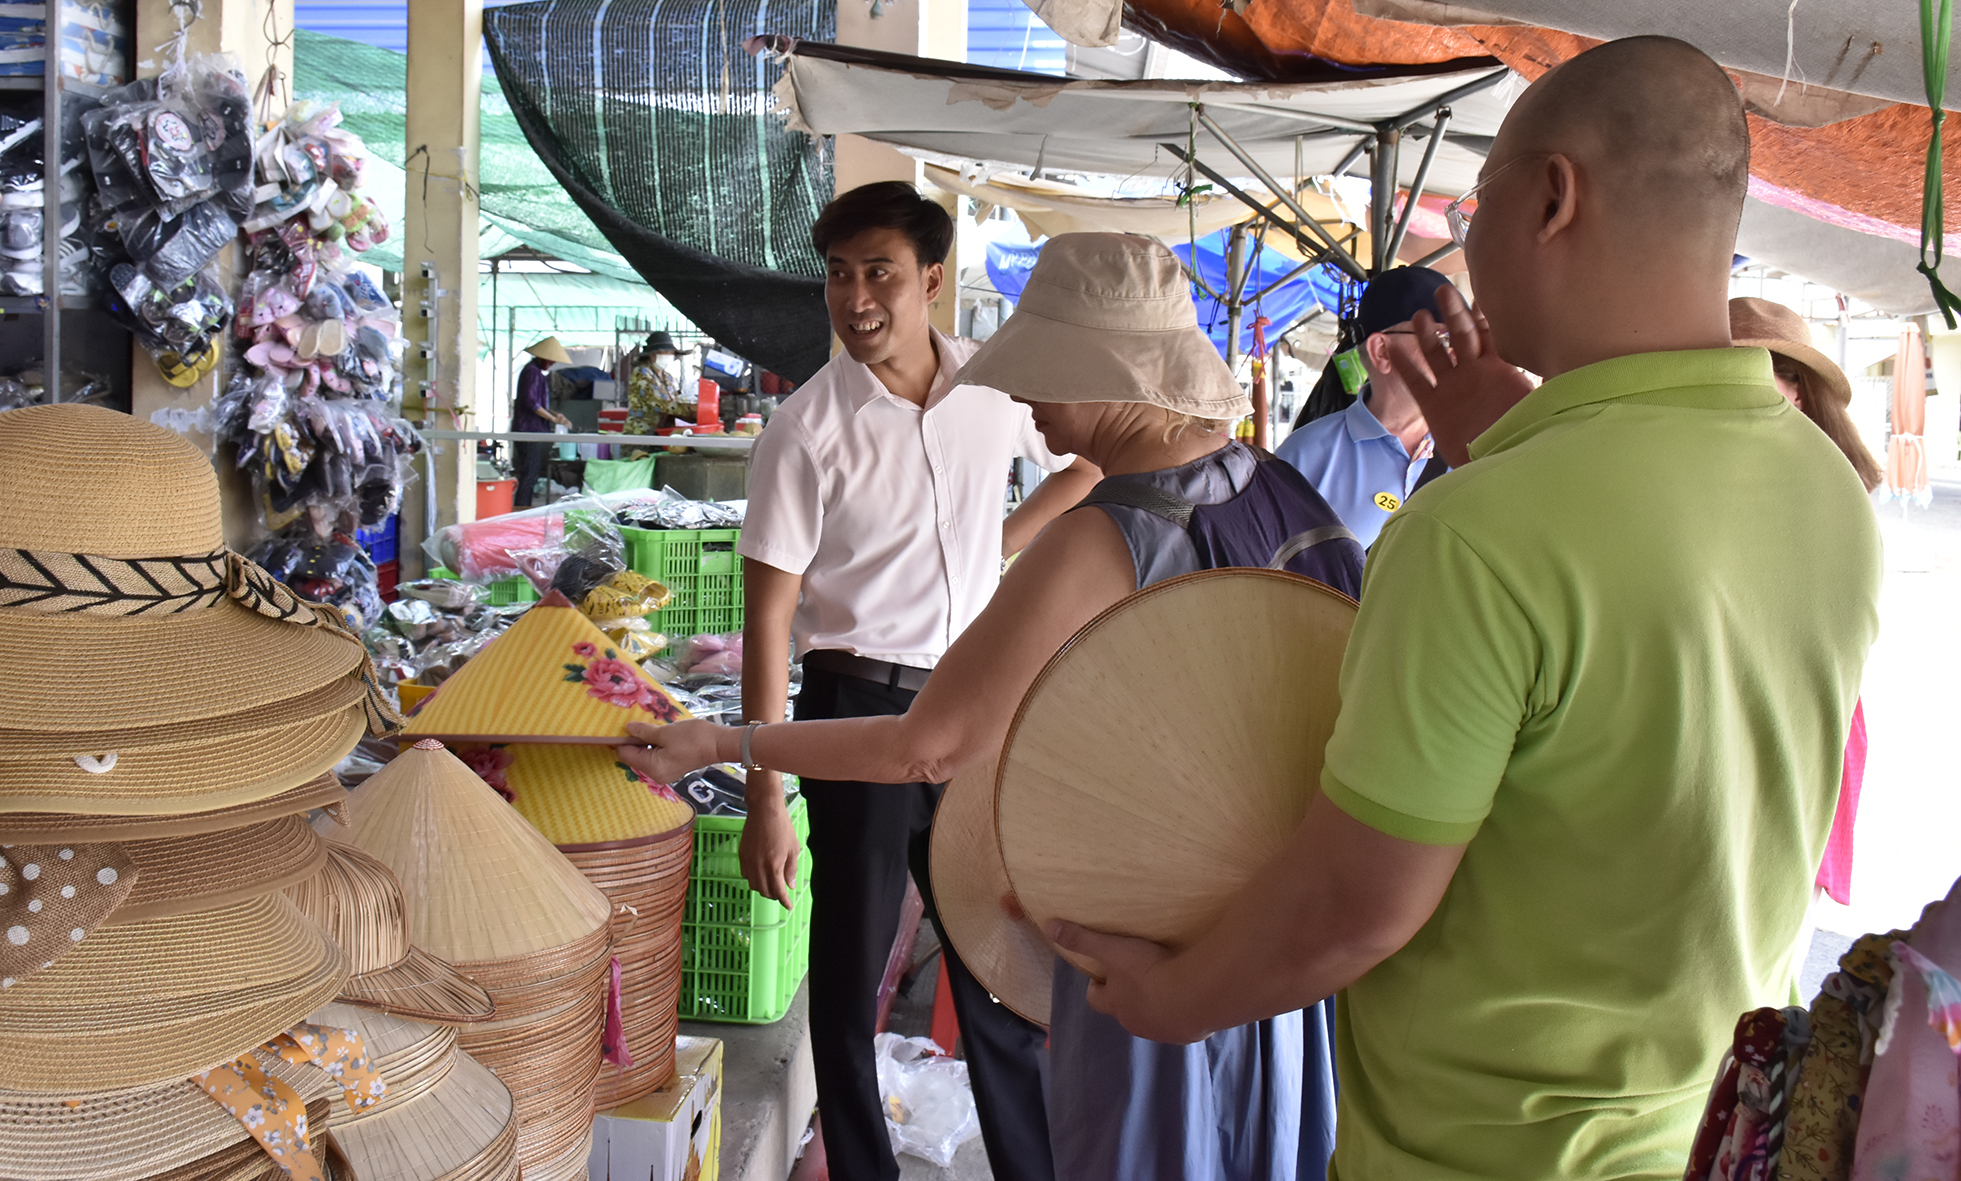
(1366, 460)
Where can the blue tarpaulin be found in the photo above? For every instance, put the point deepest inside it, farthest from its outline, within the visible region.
(1008, 266)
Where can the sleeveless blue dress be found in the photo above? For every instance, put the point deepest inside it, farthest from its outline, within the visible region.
(1254, 1103)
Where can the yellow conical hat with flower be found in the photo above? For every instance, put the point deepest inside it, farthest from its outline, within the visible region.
(553, 677)
(578, 795)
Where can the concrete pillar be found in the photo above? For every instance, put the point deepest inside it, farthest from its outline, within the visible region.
(439, 261)
(237, 27)
(921, 28)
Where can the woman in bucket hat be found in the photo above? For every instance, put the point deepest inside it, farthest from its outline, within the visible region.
(1105, 348)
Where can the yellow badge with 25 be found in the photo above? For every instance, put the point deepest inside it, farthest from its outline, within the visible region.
(1387, 502)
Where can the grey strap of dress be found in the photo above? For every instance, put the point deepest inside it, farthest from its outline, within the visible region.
(1175, 509)
(1300, 543)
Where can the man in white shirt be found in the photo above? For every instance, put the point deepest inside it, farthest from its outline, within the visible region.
(874, 536)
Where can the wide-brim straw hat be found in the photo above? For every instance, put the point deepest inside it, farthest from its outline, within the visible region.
(132, 1135)
(552, 677)
(481, 884)
(136, 1004)
(1759, 323)
(1108, 318)
(184, 874)
(445, 1117)
(1008, 956)
(551, 350)
(35, 828)
(119, 622)
(357, 900)
(1132, 808)
(578, 795)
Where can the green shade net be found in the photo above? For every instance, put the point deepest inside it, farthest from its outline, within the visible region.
(655, 120)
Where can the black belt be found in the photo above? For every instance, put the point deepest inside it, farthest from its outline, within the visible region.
(881, 672)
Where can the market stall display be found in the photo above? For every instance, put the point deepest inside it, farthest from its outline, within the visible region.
(537, 715)
(152, 964)
(487, 893)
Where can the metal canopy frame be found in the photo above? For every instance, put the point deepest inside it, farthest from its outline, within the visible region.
(1387, 230)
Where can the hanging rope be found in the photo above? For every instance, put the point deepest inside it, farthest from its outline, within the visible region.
(1934, 31)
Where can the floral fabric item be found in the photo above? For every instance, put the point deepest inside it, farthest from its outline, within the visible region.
(51, 897)
(1822, 1127)
(612, 1043)
(1911, 1129)
(616, 682)
(273, 1112)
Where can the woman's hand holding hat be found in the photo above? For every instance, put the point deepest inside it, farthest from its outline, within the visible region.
(1469, 386)
(1128, 983)
(673, 750)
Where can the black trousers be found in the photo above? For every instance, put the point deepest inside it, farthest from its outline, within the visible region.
(528, 462)
(864, 839)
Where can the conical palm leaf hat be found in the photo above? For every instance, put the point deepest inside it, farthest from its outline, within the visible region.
(578, 795)
(480, 882)
(552, 677)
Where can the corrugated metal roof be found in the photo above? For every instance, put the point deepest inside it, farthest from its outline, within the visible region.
(1004, 33)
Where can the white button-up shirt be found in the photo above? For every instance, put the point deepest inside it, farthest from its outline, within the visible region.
(890, 511)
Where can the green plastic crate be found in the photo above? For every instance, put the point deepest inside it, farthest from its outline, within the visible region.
(501, 593)
(703, 570)
(742, 955)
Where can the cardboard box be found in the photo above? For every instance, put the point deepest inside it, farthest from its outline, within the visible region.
(674, 1134)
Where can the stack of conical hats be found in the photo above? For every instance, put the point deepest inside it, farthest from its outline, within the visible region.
(484, 891)
(538, 714)
(167, 712)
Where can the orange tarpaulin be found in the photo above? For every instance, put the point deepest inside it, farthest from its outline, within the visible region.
(1870, 164)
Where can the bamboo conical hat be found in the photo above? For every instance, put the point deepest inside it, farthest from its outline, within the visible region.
(480, 882)
(444, 1117)
(578, 794)
(1008, 956)
(553, 677)
(1136, 800)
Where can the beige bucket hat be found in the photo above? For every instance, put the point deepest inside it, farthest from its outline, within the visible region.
(1108, 318)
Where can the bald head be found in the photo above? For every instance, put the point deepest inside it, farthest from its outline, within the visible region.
(1608, 210)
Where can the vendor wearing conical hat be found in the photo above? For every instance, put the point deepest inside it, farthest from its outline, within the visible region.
(533, 412)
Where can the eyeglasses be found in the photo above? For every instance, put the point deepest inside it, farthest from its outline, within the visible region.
(1458, 217)
(1440, 335)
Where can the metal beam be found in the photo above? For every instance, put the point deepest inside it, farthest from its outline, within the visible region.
(1437, 255)
(1422, 175)
(1328, 244)
(1266, 178)
(1382, 197)
(1236, 271)
(1354, 154)
(1417, 114)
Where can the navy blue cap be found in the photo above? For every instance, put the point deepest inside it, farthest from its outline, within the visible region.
(1395, 297)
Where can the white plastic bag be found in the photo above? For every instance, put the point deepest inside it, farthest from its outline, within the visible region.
(929, 1108)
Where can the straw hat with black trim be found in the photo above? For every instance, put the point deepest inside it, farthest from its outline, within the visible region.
(549, 349)
(1108, 318)
(146, 669)
(140, 1003)
(552, 677)
(29, 828)
(132, 1135)
(444, 1117)
(357, 900)
(1133, 810)
(1760, 323)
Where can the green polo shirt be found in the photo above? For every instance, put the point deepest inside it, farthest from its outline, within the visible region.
(1617, 655)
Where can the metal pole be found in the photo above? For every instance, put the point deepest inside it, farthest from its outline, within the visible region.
(1235, 292)
(1382, 197)
(1274, 219)
(1422, 175)
(1417, 114)
(1354, 154)
(1286, 198)
(1438, 255)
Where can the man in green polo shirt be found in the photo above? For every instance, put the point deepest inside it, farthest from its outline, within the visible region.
(1595, 699)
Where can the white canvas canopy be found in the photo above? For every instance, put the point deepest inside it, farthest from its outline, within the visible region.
(955, 113)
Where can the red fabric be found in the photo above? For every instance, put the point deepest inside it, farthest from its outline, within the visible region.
(1835, 874)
